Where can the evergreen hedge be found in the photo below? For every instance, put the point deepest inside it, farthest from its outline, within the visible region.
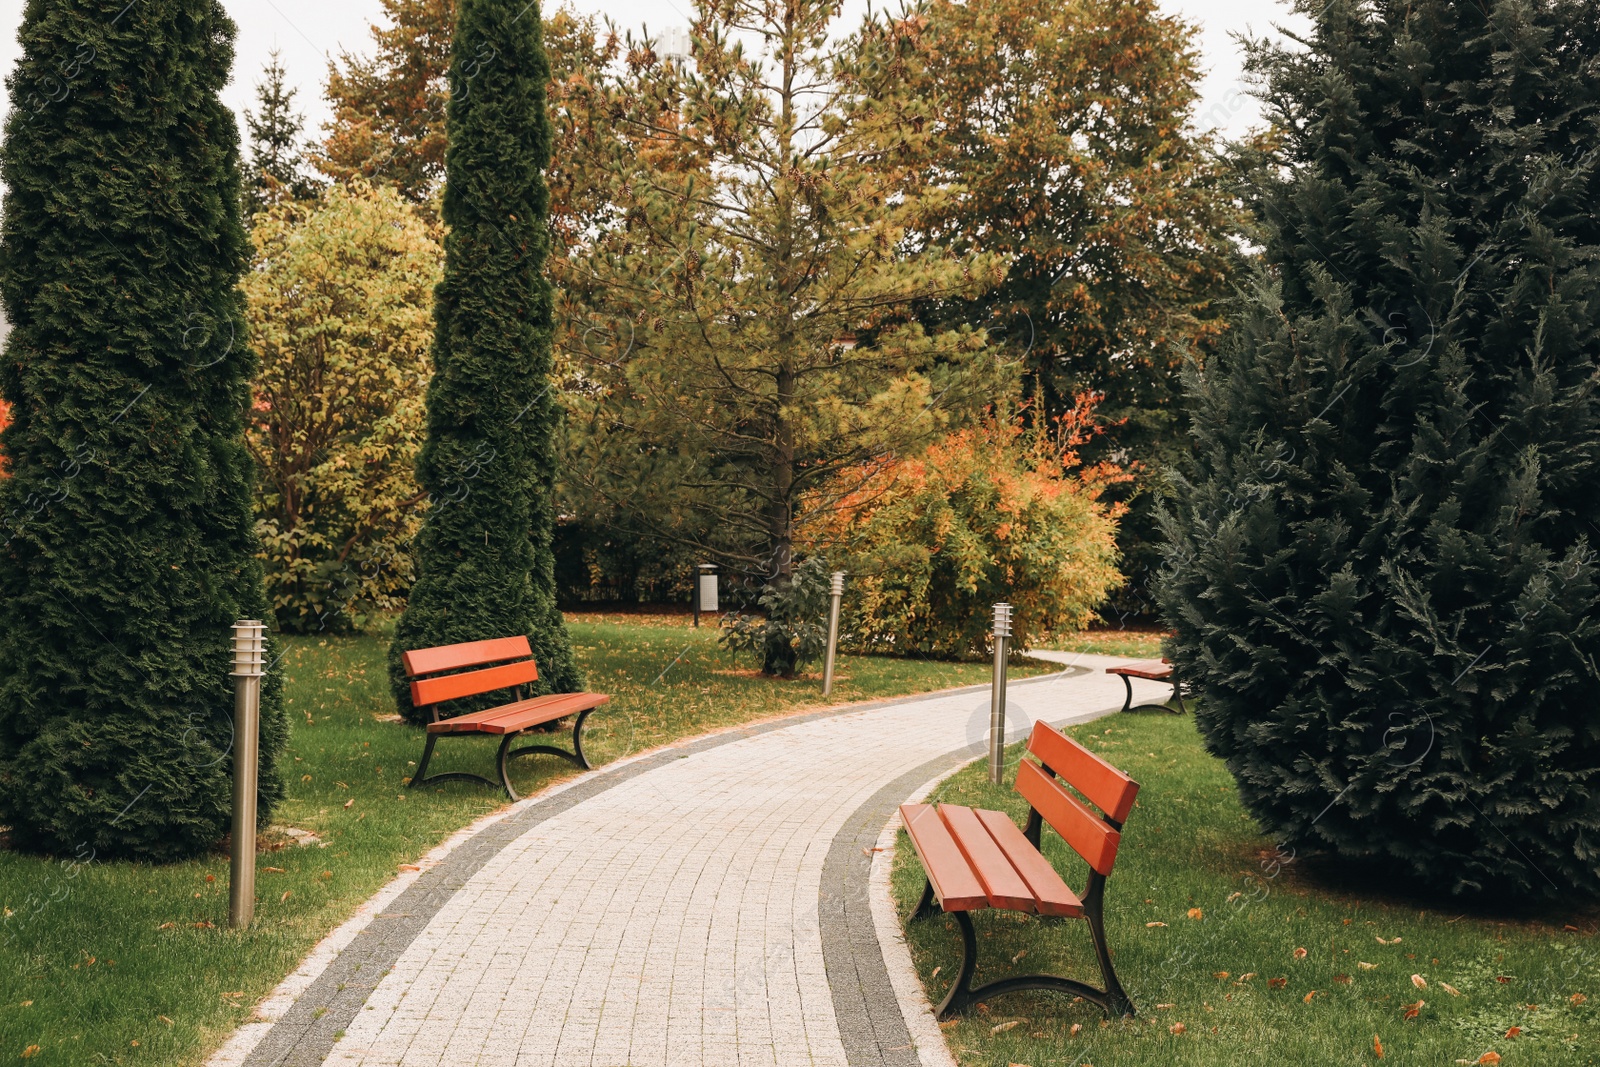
(128, 547)
(485, 561)
(1382, 568)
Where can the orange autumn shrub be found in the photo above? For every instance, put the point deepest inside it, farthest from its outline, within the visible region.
(1000, 511)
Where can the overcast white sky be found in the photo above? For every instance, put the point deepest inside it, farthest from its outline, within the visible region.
(311, 32)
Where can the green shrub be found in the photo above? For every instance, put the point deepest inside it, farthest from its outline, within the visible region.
(794, 630)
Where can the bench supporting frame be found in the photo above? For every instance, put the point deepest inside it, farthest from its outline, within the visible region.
(1128, 704)
(1113, 1000)
(576, 756)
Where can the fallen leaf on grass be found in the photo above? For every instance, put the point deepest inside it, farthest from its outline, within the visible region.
(936, 971)
(1578, 998)
(1300, 953)
(1419, 981)
(1243, 978)
(1414, 1010)
(1000, 1028)
(166, 926)
(164, 1019)
(1177, 1028)
(1377, 1047)
(349, 802)
(1155, 924)
(1515, 1031)
(285, 896)
(1018, 957)
(409, 867)
(1381, 941)
(1277, 983)
(1165, 1007)
(1489, 1057)
(205, 924)
(1503, 978)
(1196, 913)
(1220, 975)
(1365, 966)
(30, 1052)
(1448, 988)
(273, 870)
(1077, 1028)
(947, 1025)
(1307, 998)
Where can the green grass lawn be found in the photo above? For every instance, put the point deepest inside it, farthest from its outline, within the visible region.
(123, 963)
(1238, 954)
(1140, 644)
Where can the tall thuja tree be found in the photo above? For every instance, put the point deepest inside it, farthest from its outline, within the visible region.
(1382, 572)
(127, 547)
(485, 561)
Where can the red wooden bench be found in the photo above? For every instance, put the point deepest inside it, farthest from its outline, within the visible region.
(976, 859)
(1157, 670)
(439, 674)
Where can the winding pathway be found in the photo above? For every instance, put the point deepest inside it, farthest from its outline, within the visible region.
(716, 902)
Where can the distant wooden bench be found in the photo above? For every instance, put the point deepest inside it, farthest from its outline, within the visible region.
(439, 674)
(1157, 670)
(976, 859)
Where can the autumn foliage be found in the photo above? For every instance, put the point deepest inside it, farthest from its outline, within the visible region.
(1001, 511)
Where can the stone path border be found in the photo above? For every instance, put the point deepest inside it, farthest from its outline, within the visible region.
(306, 1015)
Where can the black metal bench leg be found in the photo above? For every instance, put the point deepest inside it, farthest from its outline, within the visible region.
(422, 777)
(960, 995)
(427, 754)
(1128, 682)
(1177, 694)
(575, 757)
(1116, 1000)
(924, 906)
(500, 761)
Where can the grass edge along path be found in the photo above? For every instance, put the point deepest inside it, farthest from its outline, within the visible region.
(1236, 953)
(133, 964)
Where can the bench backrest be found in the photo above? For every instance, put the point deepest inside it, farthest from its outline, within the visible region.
(1093, 836)
(465, 683)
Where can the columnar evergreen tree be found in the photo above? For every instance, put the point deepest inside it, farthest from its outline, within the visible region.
(127, 547)
(484, 557)
(1382, 570)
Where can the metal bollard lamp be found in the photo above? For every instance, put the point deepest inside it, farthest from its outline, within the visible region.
(249, 658)
(997, 694)
(835, 595)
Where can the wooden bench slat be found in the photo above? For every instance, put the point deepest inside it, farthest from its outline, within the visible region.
(1002, 884)
(1106, 787)
(1054, 896)
(1079, 826)
(426, 691)
(954, 884)
(466, 654)
(510, 718)
(1154, 669)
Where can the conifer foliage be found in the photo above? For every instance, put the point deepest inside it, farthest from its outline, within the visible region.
(485, 563)
(1383, 571)
(127, 548)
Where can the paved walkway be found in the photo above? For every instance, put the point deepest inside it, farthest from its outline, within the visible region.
(704, 904)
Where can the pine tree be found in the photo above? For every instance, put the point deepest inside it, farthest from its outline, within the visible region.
(1381, 573)
(277, 168)
(484, 555)
(128, 542)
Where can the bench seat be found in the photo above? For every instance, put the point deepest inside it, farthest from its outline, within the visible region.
(977, 859)
(522, 715)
